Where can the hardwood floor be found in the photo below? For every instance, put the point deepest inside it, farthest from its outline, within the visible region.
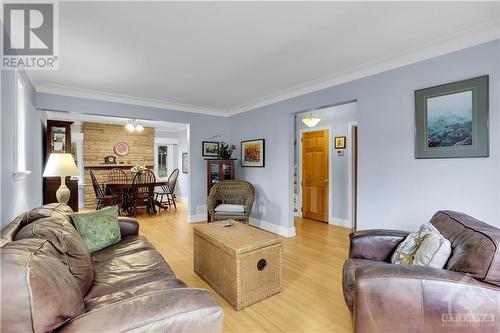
(311, 300)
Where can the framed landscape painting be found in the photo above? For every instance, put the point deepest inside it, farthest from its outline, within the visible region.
(452, 120)
(253, 153)
(209, 149)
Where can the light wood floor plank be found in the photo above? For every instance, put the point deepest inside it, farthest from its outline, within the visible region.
(311, 300)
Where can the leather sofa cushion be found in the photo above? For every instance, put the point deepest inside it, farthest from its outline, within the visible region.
(140, 290)
(128, 245)
(71, 249)
(37, 288)
(349, 278)
(54, 209)
(62, 210)
(127, 271)
(475, 245)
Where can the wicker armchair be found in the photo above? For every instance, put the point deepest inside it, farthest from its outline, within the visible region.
(234, 192)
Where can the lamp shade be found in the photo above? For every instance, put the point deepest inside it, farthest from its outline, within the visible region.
(60, 165)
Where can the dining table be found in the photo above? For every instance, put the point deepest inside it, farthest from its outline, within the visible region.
(126, 188)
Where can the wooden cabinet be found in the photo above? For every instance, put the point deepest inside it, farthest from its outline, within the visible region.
(58, 140)
(218, 170)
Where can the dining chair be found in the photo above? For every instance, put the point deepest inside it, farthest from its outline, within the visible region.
(167, 190)
(117, 176)
(143, 192)
(101, 198)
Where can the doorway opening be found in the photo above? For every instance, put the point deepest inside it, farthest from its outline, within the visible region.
(159, 146)
(353, 174)
(325, 177)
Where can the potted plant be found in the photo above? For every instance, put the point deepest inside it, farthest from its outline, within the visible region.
(225, 150)
(138, 168)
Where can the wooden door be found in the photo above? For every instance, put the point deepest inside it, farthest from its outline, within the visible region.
(315, 175)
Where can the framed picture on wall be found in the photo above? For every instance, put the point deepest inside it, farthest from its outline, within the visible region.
(253, 153)
(339, 142)
(185, 162)
(210, 149)
(452, 120)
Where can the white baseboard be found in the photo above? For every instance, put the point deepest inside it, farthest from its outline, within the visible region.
(197, 218)
(274, 228)
(340, 222)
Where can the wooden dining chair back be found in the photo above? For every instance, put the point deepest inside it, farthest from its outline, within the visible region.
(101, 198)
(117, 176)
(167, 192)
(143, 191)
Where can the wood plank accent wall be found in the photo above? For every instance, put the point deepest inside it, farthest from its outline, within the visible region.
(99, 141)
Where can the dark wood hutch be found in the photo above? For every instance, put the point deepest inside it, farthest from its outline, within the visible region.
(58, 140)
(217, 170)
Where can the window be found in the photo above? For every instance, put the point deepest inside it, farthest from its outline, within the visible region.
(20, 132)
(162, 162)
(164, 157)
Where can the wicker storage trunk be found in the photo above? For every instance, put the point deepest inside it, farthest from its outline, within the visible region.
(242, 263)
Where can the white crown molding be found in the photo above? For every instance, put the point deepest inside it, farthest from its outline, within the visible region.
(483, 33)
(125, 99)
(486, 32)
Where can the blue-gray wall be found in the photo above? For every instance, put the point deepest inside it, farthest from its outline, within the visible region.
(395, 189)
(336, 119)
(22, 194)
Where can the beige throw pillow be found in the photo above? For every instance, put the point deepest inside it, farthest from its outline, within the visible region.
(424, 247)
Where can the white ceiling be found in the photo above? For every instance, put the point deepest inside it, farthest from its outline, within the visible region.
(227, 57)
(162, 126)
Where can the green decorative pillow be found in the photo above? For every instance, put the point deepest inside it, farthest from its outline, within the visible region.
(98, 229)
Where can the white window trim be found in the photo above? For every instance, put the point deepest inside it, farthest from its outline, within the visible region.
(166, 141)
(77, 138)
(20, 138)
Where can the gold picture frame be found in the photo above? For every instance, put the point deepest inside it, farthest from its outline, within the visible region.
(340, 142)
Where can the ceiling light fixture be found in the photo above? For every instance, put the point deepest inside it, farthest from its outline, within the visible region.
(133, 125)
(310, 121)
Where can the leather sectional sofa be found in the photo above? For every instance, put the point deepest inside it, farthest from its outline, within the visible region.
(462, 297)
(50, 282)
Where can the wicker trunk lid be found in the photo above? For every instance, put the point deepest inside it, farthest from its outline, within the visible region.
(242, 263)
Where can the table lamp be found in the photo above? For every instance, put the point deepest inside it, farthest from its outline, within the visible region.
(61, 165)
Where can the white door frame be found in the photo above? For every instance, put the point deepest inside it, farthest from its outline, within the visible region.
(350, 170)
(330, 170)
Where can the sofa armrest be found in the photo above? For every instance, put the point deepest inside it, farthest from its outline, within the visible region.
(376, 244)
(171, 310)
(389, 298)
(128, 226)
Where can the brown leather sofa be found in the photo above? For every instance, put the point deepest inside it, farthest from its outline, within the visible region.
(51, 283)
(462, 297)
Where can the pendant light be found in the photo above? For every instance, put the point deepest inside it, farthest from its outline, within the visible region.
(310, 121)
(134, 125)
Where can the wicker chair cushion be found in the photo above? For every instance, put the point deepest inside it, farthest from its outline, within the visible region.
(227, 208)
